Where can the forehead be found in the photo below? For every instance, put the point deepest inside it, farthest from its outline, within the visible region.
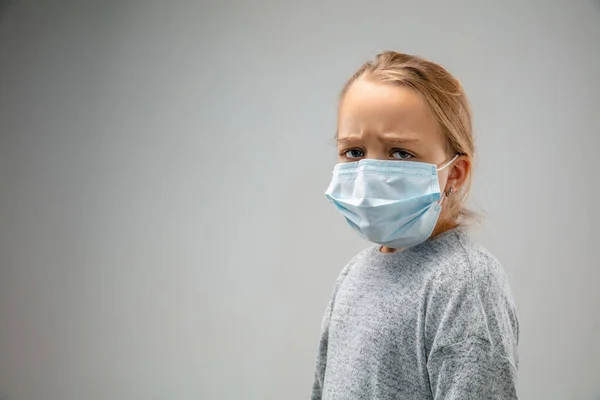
(370, 107)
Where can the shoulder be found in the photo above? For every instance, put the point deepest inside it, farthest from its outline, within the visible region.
(470, 288)
(352, 263)
(468, 273)
(466, 262)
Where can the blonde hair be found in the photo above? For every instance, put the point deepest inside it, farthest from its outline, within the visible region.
(446, 98)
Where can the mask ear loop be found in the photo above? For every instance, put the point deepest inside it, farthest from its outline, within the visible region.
(448, 163)
(449, 192)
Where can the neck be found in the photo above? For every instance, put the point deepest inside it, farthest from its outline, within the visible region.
(441, 227)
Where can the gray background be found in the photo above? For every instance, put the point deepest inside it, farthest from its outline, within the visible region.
(163, 229)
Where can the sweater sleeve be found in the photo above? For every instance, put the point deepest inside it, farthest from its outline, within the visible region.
(472, 332)
(321, 361)
(471, 370)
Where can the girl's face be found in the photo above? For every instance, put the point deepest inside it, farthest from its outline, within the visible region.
(389, 122)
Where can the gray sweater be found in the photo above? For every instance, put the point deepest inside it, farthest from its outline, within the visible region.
(435, 321)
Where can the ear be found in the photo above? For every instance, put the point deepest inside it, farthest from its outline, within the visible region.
(458, 174)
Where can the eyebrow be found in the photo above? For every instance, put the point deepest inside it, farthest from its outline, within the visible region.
(389, 140)
(400, 141)
(348, 141)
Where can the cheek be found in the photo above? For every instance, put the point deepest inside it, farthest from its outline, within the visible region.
(442, 179)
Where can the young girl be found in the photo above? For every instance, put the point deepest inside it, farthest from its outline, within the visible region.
(424, 313)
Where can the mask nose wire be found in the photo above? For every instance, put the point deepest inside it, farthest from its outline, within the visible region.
(441, 169)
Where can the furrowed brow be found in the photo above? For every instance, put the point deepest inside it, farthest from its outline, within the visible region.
(348, 141)
(400, 141)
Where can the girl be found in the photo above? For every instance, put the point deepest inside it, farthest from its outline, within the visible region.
(424, 313)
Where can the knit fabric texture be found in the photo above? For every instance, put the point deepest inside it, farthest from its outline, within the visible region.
(434, 321)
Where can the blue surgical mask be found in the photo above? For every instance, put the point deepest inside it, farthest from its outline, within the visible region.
(392, 203)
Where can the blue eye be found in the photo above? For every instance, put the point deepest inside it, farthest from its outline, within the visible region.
(354, 153)
(401, 155)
